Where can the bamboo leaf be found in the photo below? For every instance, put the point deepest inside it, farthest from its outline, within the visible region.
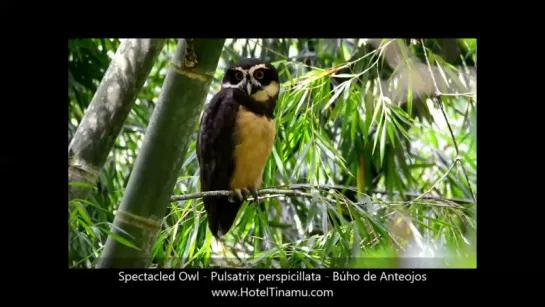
(336, 92)
(122, 240)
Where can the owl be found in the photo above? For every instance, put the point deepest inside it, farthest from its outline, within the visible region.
(236, 137)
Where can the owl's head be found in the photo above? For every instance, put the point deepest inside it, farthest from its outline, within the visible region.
(258, 78)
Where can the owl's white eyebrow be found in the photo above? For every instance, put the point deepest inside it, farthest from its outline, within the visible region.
(260, 66)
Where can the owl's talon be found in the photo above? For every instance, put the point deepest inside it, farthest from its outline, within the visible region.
(255, 195)
(245, 194)
(238, 194)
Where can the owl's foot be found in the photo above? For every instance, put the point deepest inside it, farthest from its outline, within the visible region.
(255, 196)
(241, 194)
(238, 195)
(245, 193)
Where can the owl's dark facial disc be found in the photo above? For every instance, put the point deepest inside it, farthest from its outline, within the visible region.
(257, 78)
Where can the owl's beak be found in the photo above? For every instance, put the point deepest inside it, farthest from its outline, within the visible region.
(249, 88)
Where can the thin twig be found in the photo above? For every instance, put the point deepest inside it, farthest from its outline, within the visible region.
(458, 160)
(230, 193)
(437, 181)
(468, 94)
(354, 189)
(292, 190)
(438, 93)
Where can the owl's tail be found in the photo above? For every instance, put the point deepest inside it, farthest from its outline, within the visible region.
(222, 213)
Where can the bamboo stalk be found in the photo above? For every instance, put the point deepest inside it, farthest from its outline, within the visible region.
(139, 217)
(107, 112)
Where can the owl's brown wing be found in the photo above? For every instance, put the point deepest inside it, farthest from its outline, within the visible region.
(215, 153)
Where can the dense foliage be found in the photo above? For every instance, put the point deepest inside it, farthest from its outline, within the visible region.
(378, 138)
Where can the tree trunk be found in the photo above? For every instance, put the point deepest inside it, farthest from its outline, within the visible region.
(138, 219)
(107, 112)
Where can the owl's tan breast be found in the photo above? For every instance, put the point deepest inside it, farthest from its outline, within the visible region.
(254, 137)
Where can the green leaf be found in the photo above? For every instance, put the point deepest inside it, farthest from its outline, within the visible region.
(122, 240)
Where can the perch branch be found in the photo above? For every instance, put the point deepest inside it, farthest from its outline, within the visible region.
(292, 190)
(229, 193)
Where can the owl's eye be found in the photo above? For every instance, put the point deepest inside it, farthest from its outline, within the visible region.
(259, 75)
(239, 75)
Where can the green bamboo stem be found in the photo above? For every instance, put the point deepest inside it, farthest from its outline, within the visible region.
(139, 217)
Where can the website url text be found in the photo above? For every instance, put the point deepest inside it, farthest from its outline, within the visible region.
(272, 292)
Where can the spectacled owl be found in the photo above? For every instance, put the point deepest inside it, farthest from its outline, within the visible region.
(236, 137)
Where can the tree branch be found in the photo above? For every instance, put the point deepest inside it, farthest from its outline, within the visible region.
(292, 190)
(410, 194)
(229, 193)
